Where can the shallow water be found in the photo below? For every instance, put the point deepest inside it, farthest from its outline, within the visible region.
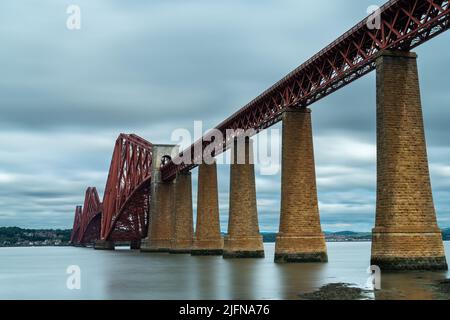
(40, 273)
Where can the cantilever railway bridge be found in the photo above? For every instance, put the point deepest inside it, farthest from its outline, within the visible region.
(132, 209)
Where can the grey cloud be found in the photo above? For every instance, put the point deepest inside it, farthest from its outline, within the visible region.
(150, 68)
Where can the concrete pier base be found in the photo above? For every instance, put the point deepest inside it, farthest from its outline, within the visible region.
(151, 247)
(104, 245)
(248, 247)
(300, 238)
(207, 252)
(309, 249)
(135, 245)
(403, 250)
(180, 251)
(406, 235)
(161, 233)
(183, 239)
(243, 239)
(161, 228)
(208, 239)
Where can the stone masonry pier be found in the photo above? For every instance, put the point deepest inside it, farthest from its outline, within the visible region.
(160, 233)
(243, 239)
(406, 234)
(208, 239)
(300, 238)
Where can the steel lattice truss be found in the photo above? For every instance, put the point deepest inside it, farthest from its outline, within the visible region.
(92, 211)
(76, 225)
(127, 192)
(405, 24)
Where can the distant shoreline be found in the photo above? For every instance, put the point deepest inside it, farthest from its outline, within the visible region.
(124, 246)
(13, 237)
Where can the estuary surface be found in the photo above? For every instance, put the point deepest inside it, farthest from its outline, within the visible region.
(40, 273)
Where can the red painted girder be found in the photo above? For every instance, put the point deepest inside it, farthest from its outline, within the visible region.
(129, 176)
(92, 207)
(76, 225)
(405, 24)
(92, 231)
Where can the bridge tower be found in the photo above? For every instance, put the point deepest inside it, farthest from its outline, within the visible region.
(162, 195)
(406, 234)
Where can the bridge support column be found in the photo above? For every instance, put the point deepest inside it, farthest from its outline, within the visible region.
(300, 238)
(184, 229)
(406, 234)
(160, 232)
(243, 239)
(104, 245)
(208, 240)
(135, 245)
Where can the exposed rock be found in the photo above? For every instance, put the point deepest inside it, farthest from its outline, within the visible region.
(443, 286)
(336, 291)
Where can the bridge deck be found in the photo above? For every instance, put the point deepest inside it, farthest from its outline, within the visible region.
(405, 24)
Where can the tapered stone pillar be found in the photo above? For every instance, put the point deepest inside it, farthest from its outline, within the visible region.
(300, 238)
(208, 240)
(162, 197)
(184, 229)
(243, 239)
(406, 234)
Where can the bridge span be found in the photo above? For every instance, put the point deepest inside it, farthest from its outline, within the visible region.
(148, 194)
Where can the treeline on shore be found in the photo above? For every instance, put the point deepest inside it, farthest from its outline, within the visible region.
(15, 236)
(344, 236)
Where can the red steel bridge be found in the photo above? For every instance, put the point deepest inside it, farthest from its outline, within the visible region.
(123, 215)
(86, 226)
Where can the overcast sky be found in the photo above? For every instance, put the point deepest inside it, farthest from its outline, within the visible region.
(150, 67)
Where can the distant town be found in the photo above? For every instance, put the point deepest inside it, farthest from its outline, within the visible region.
(344, 236)
(348, 236)
(18, 237)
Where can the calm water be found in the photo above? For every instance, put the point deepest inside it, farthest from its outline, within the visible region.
(40, 273)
